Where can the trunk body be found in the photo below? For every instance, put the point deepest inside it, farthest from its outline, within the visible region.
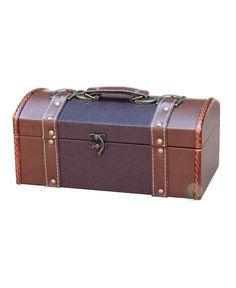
(161, 150)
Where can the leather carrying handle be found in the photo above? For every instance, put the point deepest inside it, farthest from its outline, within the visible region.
(122, 90)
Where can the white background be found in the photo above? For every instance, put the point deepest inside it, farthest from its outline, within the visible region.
(78, 238)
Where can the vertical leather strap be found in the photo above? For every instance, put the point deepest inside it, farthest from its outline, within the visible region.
(50, 139)
(160, 145)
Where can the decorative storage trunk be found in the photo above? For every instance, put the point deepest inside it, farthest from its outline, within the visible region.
(117, 139)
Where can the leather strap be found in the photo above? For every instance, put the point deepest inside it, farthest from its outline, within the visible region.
(160, 145)
(50, 138)
(126, 90)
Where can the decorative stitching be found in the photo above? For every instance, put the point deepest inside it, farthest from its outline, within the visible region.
(17, 159)
(165, 171)
(56, 151)
(163, 127)
(45, 162)
(171, 107)
(153, 120)
(44, 142)
(197, 173)
(56, 143)
(153, 148)
(53, 100)
(167, 119)
(57, 163)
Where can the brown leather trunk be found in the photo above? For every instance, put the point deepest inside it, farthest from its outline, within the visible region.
(117, 139)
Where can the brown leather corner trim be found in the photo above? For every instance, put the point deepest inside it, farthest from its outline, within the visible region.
(159, 146)
(16, 133)
(50, 138)
(198, 145)
(197, 190)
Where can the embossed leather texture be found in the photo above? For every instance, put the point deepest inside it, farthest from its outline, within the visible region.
(159, 149)
(122, 167)
(121, 121)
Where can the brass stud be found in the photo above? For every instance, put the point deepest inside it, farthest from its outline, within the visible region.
(166, 108)
(161, 191)
(57, 103)
(53, 181)
(160, 151)
(159, 141)
(50, 132)
(159, 124)
(51, 142)
(50, 118)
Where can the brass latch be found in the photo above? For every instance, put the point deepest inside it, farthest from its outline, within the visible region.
(98, 142)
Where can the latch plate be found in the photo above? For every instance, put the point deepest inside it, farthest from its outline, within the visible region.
(98, 142)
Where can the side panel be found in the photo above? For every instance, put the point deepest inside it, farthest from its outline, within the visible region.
(122, 167)
(211, 120)
(32, 160)
(181, 172)
(210, 157)
(17, 133)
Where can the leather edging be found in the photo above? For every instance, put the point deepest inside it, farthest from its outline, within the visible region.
(159, 146)
(16, 133)
(50, 138)
(198, 145)
(197, 193)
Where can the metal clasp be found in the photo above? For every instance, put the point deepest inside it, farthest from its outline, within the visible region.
(156, 99)
(79, 94)
(143, 100)
(98, 142)
(179, 99)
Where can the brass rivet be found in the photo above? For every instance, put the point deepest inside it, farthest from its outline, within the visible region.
(57, 103)
(159, 124)
(50, 118)
(166, 108)
(51, 142)
(159, 141)
(161, 191)
(53, 181)
(50, 132)
(160, 151)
